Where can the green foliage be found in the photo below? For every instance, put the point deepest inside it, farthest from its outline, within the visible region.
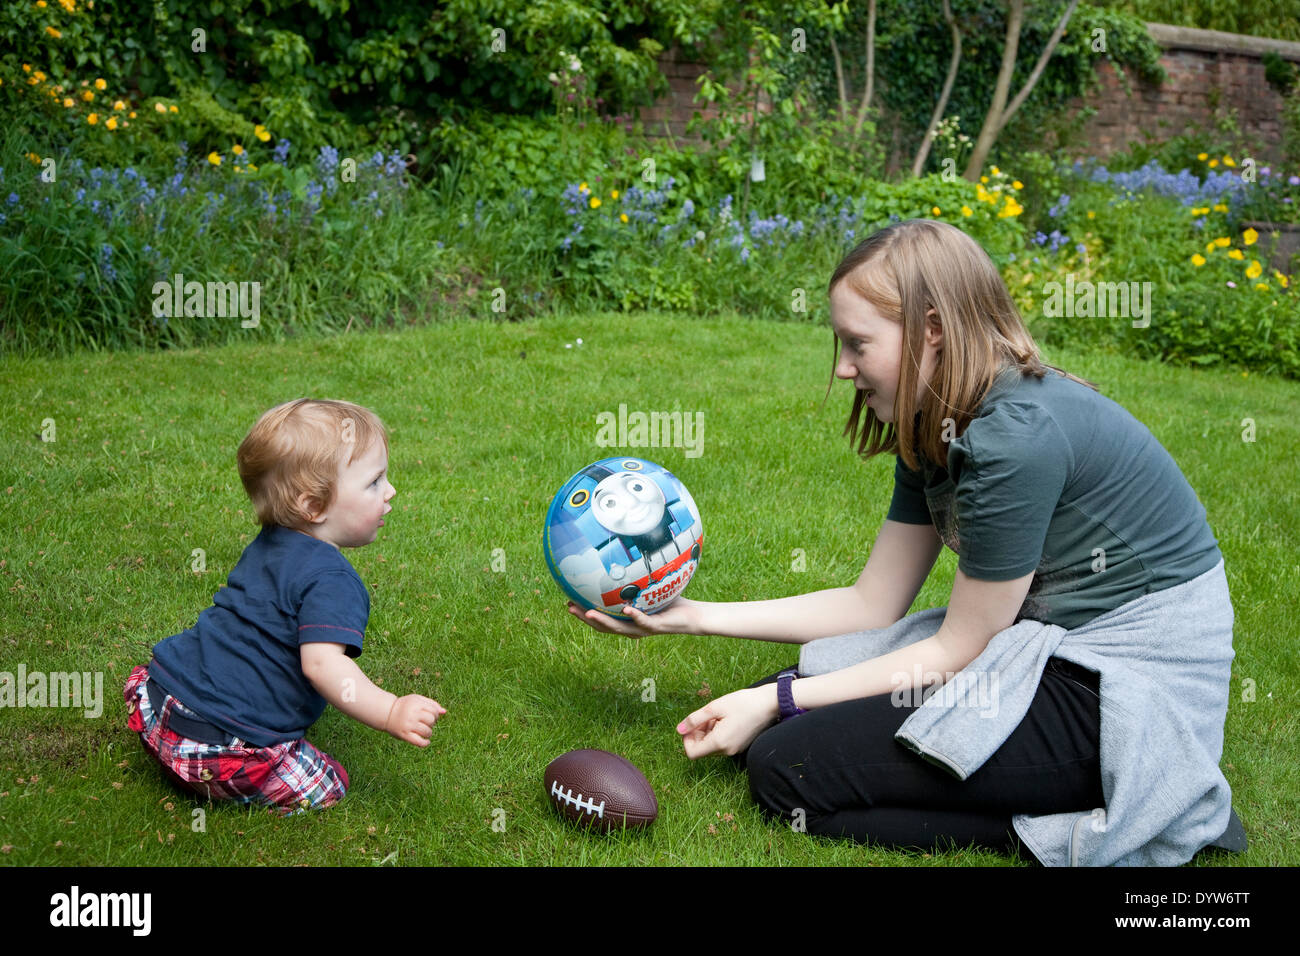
(914, 46)
(1214, 297)
(1262, 18)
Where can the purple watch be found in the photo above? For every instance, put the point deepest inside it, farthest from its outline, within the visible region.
(785, 696)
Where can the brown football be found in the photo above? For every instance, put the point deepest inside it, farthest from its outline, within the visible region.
(601, 790)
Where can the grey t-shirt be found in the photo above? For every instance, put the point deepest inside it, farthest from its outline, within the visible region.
(1054, 478)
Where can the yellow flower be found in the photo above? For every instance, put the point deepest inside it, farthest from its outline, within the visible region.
(1254, 270)
(1202, 156)
(172, 109)
(112, 122)
(1213, 163)
(1223, 242)
(34, 158)
(260, 132)
(53, 32)
(1210, 246)
(237, 150)
(27, 68)
(41, 4)
(1091, 214)
(88, 96)
(996, 171)
(92, 119)
(1227, 161)
(69, 5)
(1262, 285)
(582, 188)
(967, 211)
(1236, 254)
(252, 167)
(238, 170)
(1250, 237)
(119, 105)
(101, 85)
(1017, 185)
(1282, 280)
(214, 158)
(984, 179)
(934, 210)
(161, 108)
(131, 114)
(613, 194)
(1221, 207)
(1198, 260)
(69, 101)
(622, 217)
(595, 203)
(1012, 208)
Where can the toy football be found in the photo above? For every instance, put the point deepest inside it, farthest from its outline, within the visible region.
(623, 531)
(600, 790)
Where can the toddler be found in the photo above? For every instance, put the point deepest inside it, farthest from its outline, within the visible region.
(224, 706)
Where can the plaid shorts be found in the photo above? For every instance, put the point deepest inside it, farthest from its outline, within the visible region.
(292, 776)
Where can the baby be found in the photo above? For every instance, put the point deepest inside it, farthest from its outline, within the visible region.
(224, 705)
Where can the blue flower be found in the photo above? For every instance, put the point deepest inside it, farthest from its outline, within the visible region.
(281, 154)
(328, 160)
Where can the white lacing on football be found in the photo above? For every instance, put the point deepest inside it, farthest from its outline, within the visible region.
(589, 805)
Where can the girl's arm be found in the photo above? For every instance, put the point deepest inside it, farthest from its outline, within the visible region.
(900, 560)
(977, 611)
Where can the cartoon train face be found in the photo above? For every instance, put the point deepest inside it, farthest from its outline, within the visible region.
(628, 504)
(624, 531)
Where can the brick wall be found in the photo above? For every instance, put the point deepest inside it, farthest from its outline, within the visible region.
(1207, 70)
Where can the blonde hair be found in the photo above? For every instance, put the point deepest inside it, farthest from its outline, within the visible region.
(905, 270)
(297, 448)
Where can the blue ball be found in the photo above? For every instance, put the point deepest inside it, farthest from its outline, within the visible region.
(623, 531)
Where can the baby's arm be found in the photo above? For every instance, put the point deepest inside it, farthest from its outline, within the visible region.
(340, 681)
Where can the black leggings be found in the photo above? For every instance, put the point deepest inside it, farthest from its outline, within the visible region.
(841, 767)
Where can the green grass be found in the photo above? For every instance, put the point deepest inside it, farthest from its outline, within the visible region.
(97, 531)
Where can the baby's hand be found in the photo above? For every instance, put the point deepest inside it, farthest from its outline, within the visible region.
(412, 719)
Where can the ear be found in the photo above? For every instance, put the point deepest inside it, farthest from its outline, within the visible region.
(933, 329)
(311, 508)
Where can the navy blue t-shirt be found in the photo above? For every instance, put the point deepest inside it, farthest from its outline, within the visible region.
(239, 666)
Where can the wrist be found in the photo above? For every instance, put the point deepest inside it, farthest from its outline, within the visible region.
(389, 719)
(785, 703)
(693, 622)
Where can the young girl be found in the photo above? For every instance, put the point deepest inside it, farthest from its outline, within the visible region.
(1071, 697)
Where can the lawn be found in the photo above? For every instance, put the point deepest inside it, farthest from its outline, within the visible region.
(102, 528)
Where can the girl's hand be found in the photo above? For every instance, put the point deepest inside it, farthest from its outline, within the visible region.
(676, 618)
(729, 724)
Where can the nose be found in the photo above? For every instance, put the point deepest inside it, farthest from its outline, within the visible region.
(844, 368)
(391, 491)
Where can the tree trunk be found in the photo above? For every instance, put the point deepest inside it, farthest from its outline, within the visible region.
(921, 154)
(839, 79)
(999, 113)
(871, 70)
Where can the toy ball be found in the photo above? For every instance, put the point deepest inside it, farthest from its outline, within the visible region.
(623, 531)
